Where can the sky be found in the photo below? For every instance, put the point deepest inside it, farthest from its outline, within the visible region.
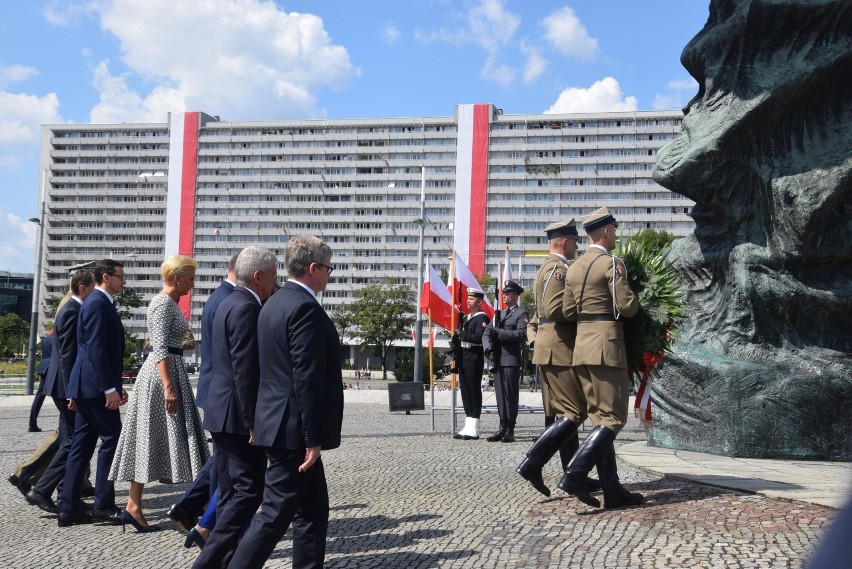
(114, 61)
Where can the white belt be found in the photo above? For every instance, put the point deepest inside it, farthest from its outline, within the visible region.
(469, 345)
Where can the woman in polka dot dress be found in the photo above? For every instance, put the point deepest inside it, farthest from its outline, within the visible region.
(161, 438)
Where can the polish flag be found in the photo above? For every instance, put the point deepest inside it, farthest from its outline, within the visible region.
(506, 275)
(435, 299)
(464, 280)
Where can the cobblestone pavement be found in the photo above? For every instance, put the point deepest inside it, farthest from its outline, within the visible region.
(404, 497)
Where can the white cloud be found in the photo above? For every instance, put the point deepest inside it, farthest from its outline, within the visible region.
(534, 65)
(240, 59)
(65, 13)
(17, 243)
(391, 34)
(603, 96)
(488, 25)
(683, 84)
(678, 94)
(567, 34)
(14, 73)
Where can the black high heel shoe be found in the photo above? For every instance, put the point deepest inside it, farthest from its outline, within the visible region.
(127, 518)
(194, 538)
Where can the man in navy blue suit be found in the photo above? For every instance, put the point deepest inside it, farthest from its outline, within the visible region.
(61, 362)
(41, 372)
(191, 505)
(229, 415)
(95, 386)
(299, 410)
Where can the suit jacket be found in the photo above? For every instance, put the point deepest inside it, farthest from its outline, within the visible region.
(46, 351)
(599, 342)
(64, 351)
(205, 374)
(236, 370)
(556, 331)
(511, 335)
(100, 349)
(300, 401)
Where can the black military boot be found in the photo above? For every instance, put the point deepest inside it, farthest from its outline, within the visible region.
(567, 449)
(548, 420)
(498, 436)
(543, 450)
(509, 437)
(615, 495)
(574, 479)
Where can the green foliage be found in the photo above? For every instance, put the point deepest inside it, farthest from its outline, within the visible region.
(131, 343)
(126, 300)
(342, 318)
(656, 240)
(381, 314)
(403, 365)
(14, 335)
(656, 282)
(527, 301)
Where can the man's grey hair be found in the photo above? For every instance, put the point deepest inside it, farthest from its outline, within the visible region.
(303, 250)
(253, 259)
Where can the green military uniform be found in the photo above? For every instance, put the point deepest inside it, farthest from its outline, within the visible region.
(597, 294)
(600, 356)
(553, 350)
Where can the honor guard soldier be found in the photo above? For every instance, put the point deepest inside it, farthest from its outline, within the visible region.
(469, 336)
(598, 293)
(505, 339)
(553, 352)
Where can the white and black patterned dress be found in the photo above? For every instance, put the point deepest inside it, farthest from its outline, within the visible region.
(155, 445)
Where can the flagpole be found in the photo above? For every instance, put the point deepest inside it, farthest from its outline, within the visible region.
(453, 322)
(418, 324)
(431, 371)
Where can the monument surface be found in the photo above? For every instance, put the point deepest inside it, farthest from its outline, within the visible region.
(763, 365)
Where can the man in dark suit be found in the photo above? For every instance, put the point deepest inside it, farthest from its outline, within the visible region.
(231, 404)
(191, 505)
(38, 399)
(61, 362)
(299, 410)
(95, 386)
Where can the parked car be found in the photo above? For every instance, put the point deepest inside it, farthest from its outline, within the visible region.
(128, 376)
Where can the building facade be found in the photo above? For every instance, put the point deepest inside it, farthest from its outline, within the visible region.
(206, 187)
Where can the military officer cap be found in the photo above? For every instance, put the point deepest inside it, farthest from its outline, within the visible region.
(475, 292)
(598, 218)
(562, 229)
(512, 286)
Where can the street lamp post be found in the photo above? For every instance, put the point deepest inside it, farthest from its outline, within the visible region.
(36, 295)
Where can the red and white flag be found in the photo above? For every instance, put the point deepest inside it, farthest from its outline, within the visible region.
(505, 275)
(435, 299)
(464, 280)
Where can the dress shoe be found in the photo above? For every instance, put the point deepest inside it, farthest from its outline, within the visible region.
(179, 513)
(34, 429)
(73, 518)
(193, 537)
(127, 518)
(44, 502)
(509, 437)
(461, 437)
(22, 486)
(108, 515)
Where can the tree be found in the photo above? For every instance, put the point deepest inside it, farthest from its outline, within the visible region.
(381, 314)
(126, 300)
(342, 318)
(403, 365)
(656, 239)
(14, 334)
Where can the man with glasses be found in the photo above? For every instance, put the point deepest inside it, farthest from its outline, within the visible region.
(299, 410)
(598, 293)
(96, 390)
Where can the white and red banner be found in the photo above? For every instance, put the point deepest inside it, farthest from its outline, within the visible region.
(472, 183)
(463, 280)
(502, 277)
(435, 300)
(180, 201)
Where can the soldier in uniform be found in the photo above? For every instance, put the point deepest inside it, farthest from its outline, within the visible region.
(469, 336)
(506, 340)
(598, 293)
(553, 352)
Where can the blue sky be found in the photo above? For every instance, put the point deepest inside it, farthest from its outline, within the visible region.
(112, 61)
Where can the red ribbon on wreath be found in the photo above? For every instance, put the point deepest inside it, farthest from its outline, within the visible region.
(642, 406)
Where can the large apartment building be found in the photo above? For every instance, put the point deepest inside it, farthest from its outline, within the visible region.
(203, 186)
